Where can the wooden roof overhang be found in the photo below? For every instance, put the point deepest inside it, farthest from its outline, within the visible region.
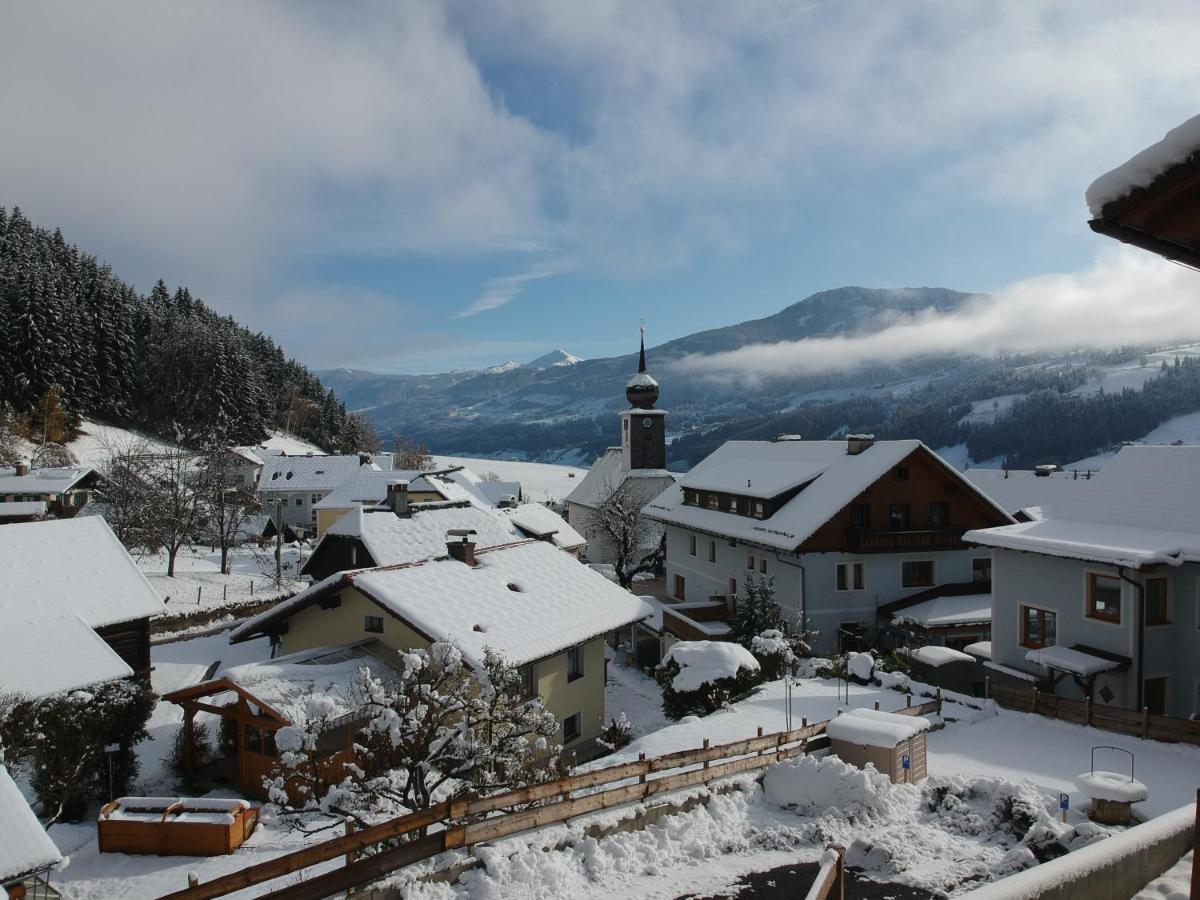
(191, 697)
(1163, 217)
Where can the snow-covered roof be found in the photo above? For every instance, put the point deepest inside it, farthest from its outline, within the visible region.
(35, 633)
(768, 478)
(539, 521)
(1141, 169)
(42, 481)
(875, 728)
(74, 565)
(26, 847)
(393, 540)
(253, 527)
(248, 455)
(312, 473)
(21, 508)
(606, 474)
(499, 491)
(702, 662)
(286, 683)
(1141, 512)
(1021, 490)
(940, 656)
(967, 609)
(833, 477)
(527, 601)
(369, 484)
(980, 649)
(1067, 660)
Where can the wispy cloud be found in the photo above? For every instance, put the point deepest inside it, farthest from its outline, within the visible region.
(498, 292)
(1126, 297)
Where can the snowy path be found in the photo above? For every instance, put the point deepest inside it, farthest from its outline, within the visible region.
(636, 694)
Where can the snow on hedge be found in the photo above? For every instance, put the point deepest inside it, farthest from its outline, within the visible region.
(1112, 786)
(703, 662)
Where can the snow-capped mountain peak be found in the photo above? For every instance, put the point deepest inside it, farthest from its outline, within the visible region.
(554, 359)
(502, 368)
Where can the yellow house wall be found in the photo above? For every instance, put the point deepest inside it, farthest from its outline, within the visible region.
(316, 627)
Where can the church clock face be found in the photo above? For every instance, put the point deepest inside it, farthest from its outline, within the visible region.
(647, 422)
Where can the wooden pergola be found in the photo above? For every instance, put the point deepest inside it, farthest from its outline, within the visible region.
(256, 721)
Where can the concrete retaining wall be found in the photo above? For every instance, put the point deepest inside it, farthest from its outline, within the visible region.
(1115, 868)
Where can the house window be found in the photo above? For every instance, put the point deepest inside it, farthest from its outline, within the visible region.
(1158, 610)
(860, 516)
(850, 576)
(900, 473)
(712, 501)
(691, 545)
(732, 587)
(528, 679)
(299, 501)
(315, 498)
(1039, 627)
(750, 566)
(899, 515)
(762, 566)
(1155, 694)
(572, 727)
(917, 573)
(253, 739)
(759, 509)
(678, 592)
(574, 663)
(939, 514)
(981, 568)
(1104, 598)
(373, 624)
(712, 551)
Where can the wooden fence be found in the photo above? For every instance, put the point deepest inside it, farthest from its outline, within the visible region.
(466, 822)
(1143, 724)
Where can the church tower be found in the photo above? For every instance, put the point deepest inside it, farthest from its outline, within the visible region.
(643, 428)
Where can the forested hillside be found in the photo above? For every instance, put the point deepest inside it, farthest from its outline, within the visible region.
(163, 362)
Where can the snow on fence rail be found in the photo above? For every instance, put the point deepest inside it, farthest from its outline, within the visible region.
(464, 822)
(830, 883)
(1144, 723)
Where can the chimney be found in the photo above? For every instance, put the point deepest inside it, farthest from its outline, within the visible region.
(460, 544)
(397, 498)
(364, 458)
(857, 443)
(22, 467)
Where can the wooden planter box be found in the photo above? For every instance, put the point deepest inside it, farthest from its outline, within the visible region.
(168, 826)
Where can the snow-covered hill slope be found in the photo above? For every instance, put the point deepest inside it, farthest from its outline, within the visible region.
(96, 442)
(1179, 430)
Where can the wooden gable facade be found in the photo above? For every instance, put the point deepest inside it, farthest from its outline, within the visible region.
(920, 504)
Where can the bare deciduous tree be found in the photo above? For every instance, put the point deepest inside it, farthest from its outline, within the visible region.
(227, 505)
(639, 544)
(412, 456)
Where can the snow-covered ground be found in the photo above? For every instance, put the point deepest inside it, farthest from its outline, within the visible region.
(289, 444)
(637, 695)
(97, 442)
(1173, 884)
(199, 586)
(541, 482)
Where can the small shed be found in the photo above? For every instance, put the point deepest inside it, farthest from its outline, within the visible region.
(893, 743)
(175, 827)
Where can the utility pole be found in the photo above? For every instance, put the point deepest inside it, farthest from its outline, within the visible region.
(278, 543)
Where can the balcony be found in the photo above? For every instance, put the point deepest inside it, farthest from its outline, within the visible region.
(860, 541)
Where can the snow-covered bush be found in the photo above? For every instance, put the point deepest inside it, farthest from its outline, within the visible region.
(704, 676)
(774, 653)
(860, 667)
(68, 766)
(617, 734)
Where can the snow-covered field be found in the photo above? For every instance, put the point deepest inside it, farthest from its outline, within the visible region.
(199, 586)
(541, 482)
(97, 442)
(1183, 429)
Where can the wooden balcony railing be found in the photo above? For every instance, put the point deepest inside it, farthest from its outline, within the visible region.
(900, 541)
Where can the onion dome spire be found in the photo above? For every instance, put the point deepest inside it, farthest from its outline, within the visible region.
(642, 390)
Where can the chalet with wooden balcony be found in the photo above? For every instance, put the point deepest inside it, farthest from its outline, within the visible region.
(842, 528)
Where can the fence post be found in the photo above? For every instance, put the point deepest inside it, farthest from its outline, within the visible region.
(198, 590)
(1195, 891)
(761, 750)
(642, 777)
(193, 880)
(1087, 710)
(706, 745)
(938, 697)
(1145, 721)
(1035, 696)
(224, 592)
(838, 891)
(987, 687)
(349, 831)
(876, 706)
(907, 700)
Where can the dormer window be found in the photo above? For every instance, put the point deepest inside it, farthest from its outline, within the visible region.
(711, 501)
(759, 509)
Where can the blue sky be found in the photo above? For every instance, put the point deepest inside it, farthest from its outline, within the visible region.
(424, 186)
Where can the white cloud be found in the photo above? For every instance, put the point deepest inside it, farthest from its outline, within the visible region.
(501, 290)
(1127, 297)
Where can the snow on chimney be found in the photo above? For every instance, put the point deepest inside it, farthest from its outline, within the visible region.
(460, 544)
(397, 498)
(22, 467)
(857, 443)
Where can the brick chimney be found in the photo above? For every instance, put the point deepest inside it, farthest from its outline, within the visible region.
(397, 498)
(460, 544)
(22, 467)
(857, 443)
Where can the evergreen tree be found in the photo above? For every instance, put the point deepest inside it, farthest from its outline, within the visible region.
(757, 611)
